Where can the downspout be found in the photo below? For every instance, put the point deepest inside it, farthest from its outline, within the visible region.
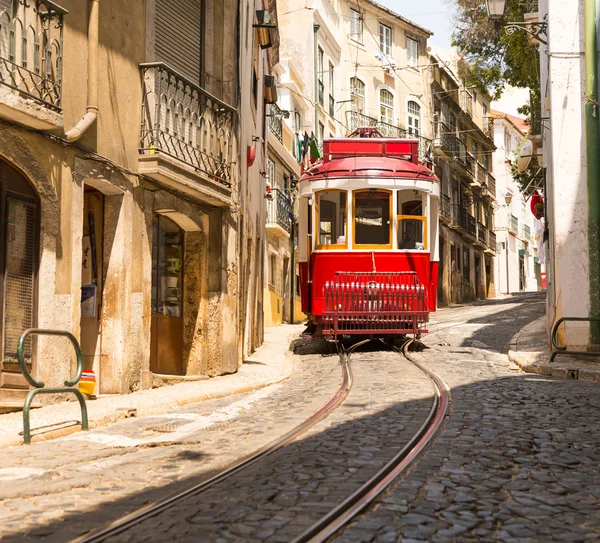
(316, 74)
(92, 84)
(592, 140)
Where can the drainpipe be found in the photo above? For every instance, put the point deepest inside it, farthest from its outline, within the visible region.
(592, 140)
(316, 74)
(92, 84)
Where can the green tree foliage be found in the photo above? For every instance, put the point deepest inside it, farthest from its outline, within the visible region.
(496, 58)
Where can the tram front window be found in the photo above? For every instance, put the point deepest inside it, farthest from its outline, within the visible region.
(331, 217)
(372, 217)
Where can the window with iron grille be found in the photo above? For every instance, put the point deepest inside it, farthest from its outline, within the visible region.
(386, 106)
(358, 94)
(385, 39)
(414, 118)
(356, 26)
(412, 48)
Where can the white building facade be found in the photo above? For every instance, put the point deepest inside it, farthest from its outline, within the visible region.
(518, 267)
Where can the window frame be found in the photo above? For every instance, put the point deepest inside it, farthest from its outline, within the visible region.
(356, 26)
(355, 96)
(412, 52)
(385, 39)
(330, 246)
(423, 219)
(388, 107)
(413, 130)
(373, 246)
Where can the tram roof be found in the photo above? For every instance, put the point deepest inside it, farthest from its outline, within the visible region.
(369, 157)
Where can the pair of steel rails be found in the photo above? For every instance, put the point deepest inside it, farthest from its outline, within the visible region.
(353, 505)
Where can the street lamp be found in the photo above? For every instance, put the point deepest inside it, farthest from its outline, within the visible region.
(496, 9)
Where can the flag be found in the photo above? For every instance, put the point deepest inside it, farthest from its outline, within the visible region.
(314, 149)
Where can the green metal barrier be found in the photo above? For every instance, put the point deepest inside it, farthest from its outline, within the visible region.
(39, 385)
(562, 349)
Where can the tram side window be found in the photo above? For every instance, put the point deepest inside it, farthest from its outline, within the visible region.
(372, 217)
(412, 226)
(332, 217)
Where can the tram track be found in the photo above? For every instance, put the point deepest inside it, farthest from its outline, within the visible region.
(339, 517)
(343, 513)
(140, 515)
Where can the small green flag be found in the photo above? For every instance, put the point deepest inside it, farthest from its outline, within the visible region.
(314, 150)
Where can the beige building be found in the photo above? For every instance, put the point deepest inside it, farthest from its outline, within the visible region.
(127, 213)
(463, 148)
(363, 65)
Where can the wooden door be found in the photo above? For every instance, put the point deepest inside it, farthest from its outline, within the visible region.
(166, 350)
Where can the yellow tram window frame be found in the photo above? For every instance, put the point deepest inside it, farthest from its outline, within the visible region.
(329, 246)
(421, 218)
(391, 214)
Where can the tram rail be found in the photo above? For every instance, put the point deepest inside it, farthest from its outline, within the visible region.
(342, 514)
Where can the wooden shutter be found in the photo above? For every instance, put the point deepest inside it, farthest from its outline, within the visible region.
(178, 36)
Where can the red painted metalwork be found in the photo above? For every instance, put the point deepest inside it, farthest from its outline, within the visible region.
(361, 291)
(375, 303)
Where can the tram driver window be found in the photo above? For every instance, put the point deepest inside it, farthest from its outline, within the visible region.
(332, 217)
(372, 217)
(411, 226)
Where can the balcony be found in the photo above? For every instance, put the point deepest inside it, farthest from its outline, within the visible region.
(488, 127)
(491, 242)
(482, 234)
(275, 116)
(466, 102)
(445, 209)
(446, 141)
(356, 120)
(471, 226)
(188, 139)
(513, 225)
(279, 214)
(31, 49)
(491, 185)
(459, 217)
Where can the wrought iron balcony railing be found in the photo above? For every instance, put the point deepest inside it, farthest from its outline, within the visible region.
(356, 120)
(446, 208)
(31, 49)
(513, 225)
(471, 225)
(466, 102)
(459, 216)
(183, 121)
(482, 233)
(491, 243)
(448, 141)
(481, 174)
(275, 116)
(491, 184)
(279, 211)
(488, 126)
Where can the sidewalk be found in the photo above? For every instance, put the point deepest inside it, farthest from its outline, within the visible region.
(270, 363)
(529, 350)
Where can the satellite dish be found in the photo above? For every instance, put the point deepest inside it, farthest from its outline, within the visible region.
(525, 154)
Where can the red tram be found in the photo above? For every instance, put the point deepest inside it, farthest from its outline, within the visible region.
(368, 238)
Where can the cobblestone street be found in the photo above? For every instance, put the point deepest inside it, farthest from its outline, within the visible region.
(515, 461)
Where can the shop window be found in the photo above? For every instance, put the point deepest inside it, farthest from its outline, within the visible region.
(331, 219)
(372, 218)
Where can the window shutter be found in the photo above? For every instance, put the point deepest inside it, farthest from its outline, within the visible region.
(178, 26)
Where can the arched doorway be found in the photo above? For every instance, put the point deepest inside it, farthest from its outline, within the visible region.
(19, 243)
